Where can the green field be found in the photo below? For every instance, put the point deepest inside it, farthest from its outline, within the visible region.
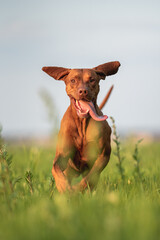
(125, 207)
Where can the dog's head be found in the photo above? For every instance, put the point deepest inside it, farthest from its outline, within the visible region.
(82, 85)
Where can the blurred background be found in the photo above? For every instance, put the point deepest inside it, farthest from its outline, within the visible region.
(78, 34)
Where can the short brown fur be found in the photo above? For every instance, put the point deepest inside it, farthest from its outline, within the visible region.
(83, 146)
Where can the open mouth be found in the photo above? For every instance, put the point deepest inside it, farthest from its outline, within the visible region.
(81, 111)
(85, 109)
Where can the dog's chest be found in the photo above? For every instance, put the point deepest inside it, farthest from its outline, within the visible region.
(80, 160)
(79, 135)
(87, 131)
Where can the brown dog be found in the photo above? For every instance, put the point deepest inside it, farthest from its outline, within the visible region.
(83, 146)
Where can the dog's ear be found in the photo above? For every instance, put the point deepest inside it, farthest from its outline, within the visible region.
(107, 69)
(57, 73)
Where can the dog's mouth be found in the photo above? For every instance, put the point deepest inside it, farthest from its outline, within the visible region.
(86, 108)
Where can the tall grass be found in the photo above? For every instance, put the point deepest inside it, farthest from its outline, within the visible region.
(31, 207)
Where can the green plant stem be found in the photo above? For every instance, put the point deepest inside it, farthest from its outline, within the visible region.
(118, 151)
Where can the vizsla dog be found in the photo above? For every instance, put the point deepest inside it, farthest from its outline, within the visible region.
(83, 146)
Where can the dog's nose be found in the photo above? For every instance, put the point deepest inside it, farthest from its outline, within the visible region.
(83, 92)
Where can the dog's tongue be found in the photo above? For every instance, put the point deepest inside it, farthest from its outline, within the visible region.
(88, 106)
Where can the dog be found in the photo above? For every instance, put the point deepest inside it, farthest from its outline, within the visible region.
(83, 146)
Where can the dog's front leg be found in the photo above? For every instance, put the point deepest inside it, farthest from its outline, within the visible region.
(92, 177)
(97, 153)
(65, 152)
(62, 182)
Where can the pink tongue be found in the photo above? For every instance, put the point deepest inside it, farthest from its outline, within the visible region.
(91, 109)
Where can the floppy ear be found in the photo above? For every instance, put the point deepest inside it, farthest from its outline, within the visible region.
(107, 69)
(57, 73)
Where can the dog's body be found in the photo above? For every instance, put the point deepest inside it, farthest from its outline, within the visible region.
(83, 146)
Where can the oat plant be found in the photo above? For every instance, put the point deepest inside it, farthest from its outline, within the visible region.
(51, 186)
(7, 181)
(51, 109)
(6, 175)
(117, 152)
(136, 157)
(29, 181)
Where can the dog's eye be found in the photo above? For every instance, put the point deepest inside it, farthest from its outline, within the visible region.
(92, 80)
(72, 80)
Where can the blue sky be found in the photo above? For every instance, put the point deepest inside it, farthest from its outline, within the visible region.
(79, 34)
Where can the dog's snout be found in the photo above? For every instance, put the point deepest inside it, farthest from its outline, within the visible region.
(83, 92)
